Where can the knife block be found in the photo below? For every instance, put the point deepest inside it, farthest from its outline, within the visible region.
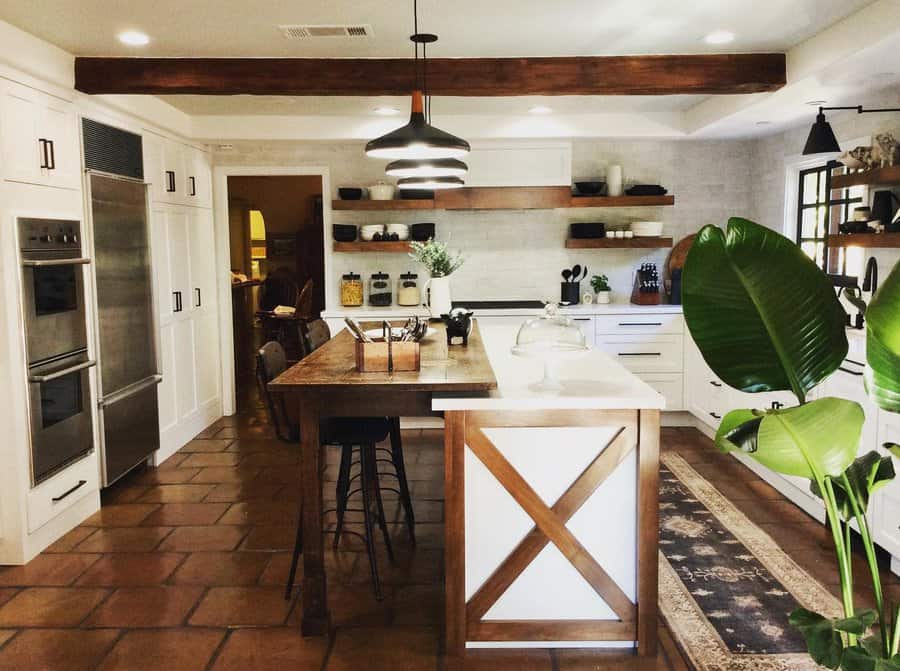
(639, 297)
(376, 357)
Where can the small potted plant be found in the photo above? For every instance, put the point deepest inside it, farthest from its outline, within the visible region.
(440, 263)
(600, 285)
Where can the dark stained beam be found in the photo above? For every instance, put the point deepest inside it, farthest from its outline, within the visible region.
(488, 77)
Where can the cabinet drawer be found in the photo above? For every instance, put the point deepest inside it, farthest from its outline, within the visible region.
(586, 324)
(667, 324)
(62, 491)
(645, 355)
(670, 385)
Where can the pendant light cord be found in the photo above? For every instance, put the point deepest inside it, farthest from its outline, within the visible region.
(424, 71)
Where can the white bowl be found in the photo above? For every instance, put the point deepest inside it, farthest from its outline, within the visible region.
(368, 231)
(401, 230)
(381, 192)
(647, 229)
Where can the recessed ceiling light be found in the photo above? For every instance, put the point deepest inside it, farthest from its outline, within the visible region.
(816, 103)
(719, 37)
(134, 38)
(386, 111)
(540, 109)
(763, 123)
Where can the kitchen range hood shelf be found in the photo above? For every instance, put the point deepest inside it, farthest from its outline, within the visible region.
(389, 246)
(621, 201)
(378, 205)
(619, 243)
(878, 177)
(872, 240)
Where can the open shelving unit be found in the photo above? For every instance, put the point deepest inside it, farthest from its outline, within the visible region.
(621, 201)
(384, 246)
(382, 205)
(877, 177)
(619, 243)
(871, 240)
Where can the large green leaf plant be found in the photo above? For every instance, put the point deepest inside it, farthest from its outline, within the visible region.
(766, 318)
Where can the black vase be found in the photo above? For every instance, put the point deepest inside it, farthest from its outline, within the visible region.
(883, 210)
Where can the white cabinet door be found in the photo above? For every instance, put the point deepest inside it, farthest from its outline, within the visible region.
(23, 157)
(586, 324)
(174, 172)
(185, 368)
(847, 383)
(154, 173)
(59, 125)
(885, 511)
(198, 188)
(645, 353)
(202, 261)
(206, 357)
(670, 385)
(707, 395)
(178, 238)
(167, 390)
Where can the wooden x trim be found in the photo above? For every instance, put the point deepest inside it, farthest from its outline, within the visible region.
(550, 525)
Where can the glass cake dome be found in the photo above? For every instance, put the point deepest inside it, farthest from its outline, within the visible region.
(550, 338)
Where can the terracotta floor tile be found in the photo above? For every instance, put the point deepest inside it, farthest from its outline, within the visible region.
(7, 593)
(220, 474)
(122, 493)
(241, 606)
(195, 539)
(356, 606)
(227, 432)
(276, 572)
(162, 650)
(271, 538)
(6, 634)
(289, 457)
(50, 606)
(48, 570)
(280, 474)
(68, 542)
(186, 514)
(247, 445)
(57, 650)
(262, 512)
(204, 459)
(206, 445)
(270, 650)
(120, 515)
(419, 605)
(188, 493)
(124, 539)
(132, 607)
(131, 569)
(508, 660)
(244, 491)
(395, 648)
(603, 660)
(221, 568)
(166, 476)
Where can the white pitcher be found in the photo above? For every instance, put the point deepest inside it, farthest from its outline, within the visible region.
(437, 292)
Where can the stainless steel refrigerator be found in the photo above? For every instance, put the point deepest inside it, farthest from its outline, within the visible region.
(127, 361)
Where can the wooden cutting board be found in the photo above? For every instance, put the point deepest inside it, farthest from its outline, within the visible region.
(679, 253)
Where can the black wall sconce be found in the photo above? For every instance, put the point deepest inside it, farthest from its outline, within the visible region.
(821, 139)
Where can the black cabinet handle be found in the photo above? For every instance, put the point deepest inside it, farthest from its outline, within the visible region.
(57, 499)
(715, 384)
(193, 183)
(177, 295)
(777, 405)
(52, 162)
(852, 372)
(199, 299)
(640, 323)
(715, 416)
(45, 158)
(170, 181)
(640, 353)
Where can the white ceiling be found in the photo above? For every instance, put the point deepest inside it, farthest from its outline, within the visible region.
(466, 27)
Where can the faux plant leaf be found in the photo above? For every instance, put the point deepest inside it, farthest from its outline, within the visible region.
(858, 624)
(859, 659)
(824, 432)
(825, 645)
(738, 430)
(866, 475)
(763, 315)
(883, 344)
(893, 448)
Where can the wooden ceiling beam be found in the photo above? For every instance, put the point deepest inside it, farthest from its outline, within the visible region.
(487, 77)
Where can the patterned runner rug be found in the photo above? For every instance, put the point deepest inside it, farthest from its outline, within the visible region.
(725, 587)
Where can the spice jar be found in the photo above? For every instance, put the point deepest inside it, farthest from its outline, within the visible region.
(351, 290)
(380, 290)
(408, 290)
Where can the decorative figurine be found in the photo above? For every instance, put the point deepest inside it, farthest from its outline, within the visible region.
(884, 151)
(459, 325)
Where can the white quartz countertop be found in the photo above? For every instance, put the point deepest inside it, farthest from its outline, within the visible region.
(591, 381)
(396, 311)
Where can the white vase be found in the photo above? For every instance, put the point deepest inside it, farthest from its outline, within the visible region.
(437, 296)
(603, 297)
(614, 180)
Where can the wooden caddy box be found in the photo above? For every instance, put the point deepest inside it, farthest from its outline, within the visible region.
(383, 357)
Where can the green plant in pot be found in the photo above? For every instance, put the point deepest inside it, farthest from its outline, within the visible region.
(600, 285)
(766, 318)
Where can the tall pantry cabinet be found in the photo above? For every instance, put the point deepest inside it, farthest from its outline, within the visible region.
(184, 264)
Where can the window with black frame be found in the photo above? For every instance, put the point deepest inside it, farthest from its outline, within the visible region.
(819, 213)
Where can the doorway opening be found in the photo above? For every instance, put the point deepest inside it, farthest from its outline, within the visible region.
(276, 240)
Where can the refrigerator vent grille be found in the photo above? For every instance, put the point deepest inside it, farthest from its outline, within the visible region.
(112, 150)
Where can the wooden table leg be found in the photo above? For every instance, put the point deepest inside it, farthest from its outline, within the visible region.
(648, 531)
(455, 535)
(315, 604)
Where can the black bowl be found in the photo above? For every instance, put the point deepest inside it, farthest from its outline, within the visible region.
(344, 232)
(587, 230)
(590, 188)
(416, 194)
(421, 232)
(350, 193)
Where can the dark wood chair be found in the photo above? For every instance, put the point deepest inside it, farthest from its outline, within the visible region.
(358, 438)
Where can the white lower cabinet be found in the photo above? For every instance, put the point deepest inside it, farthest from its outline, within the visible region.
(885, 509)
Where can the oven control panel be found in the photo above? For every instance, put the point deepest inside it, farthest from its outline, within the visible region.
(49, 235)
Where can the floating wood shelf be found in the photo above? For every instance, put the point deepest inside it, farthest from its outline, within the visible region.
(877, 177)
(619, 243)
(621, 201)
(389, 246)
(380, 205)
(884, 240)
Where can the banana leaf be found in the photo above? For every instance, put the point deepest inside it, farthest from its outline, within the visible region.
(821, 436)
(823, 636)
(866, 475)
(763, 315)
(859, 659)
(883, 344)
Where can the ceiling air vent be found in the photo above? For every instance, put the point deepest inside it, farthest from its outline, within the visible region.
(307, 32)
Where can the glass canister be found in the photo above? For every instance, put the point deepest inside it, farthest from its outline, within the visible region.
(351, 290)
(408, 290)
(380, 290)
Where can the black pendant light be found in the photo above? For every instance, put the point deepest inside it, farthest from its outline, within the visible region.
(430, 183)
(821, 138)
(438, 167)
(418, 140)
